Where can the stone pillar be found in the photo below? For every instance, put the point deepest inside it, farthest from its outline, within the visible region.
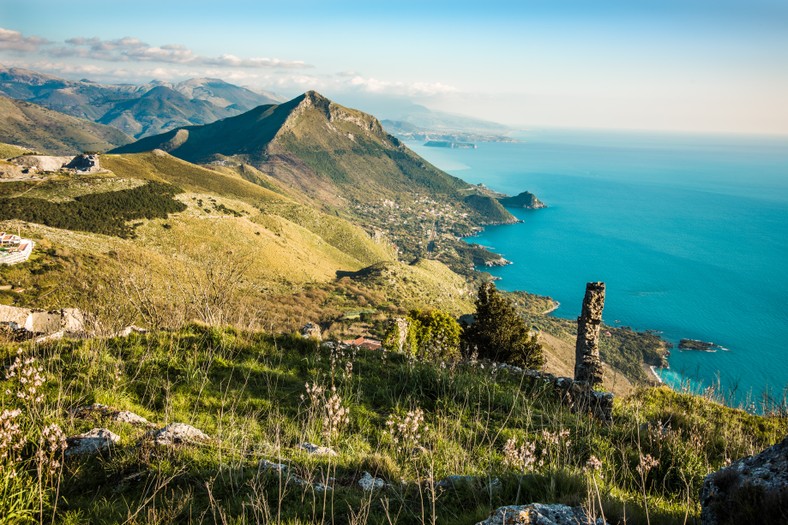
(588, 366)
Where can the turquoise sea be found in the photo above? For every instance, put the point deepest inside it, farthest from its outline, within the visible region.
(689, 232)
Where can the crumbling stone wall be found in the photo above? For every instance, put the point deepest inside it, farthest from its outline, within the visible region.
(588, 365)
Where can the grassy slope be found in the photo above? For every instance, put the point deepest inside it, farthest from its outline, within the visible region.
(8, 151)
(44, 130)
(246, 390)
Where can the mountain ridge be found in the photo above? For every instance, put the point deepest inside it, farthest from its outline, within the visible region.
(207, 99)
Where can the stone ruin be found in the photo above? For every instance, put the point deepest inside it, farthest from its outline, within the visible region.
(588, 366)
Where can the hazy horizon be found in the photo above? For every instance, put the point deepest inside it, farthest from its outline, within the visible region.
(684, 66)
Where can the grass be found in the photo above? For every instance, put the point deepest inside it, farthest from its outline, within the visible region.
(8, 151)
(246, 390)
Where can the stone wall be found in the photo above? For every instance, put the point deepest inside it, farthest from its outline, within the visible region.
(26, 322)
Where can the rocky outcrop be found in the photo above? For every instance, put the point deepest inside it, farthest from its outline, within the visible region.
(588, 366)
(29, 323)
(85, 163)
(539, 514)
(525, 200)
(369, 483)
(95, 441)
(750, 490)
(40, 163)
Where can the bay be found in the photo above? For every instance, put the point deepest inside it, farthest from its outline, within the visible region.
(689, 232)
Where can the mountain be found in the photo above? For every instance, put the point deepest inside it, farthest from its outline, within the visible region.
(137, 110)
(160, 109)
(47, 131)
(329, 152)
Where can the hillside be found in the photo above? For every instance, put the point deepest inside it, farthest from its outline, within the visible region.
(136, 110)
(448, 444)
(342, 161)
(41, 129)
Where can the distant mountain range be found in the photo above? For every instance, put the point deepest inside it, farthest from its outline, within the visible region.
(137, 110)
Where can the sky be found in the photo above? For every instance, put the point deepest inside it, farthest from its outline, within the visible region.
(670, 65)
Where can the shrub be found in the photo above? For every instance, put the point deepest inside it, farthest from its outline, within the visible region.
(499, 333)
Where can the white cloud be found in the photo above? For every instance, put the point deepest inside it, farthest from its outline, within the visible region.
(410, 89)
(14, 41)
(130, 49)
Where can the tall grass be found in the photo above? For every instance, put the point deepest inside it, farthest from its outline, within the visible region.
(450, 442)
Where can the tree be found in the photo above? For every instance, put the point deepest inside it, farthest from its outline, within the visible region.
(428, 335)
(499, 333)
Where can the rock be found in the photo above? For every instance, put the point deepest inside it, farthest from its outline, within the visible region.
(69, 321)
(178, 434)
(38, 163)
(317, 450)
(538, 514)
(270, 465)
(124, 416)
(751, 490)
(311, 331)
(95, 441)
(369, 483)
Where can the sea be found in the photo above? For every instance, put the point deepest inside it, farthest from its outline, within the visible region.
(689, 233)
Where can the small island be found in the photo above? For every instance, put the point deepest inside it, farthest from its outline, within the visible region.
(449, 144)
(698, 345)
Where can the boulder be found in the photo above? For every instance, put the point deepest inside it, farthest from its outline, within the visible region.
(95, 441)
(178, 434)
(311, 331)
(751, 490)
(539, 514)
(369, 483)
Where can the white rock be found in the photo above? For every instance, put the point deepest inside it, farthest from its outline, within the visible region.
(317, 449)
(95, 441)
(368, 483)
(179, 433)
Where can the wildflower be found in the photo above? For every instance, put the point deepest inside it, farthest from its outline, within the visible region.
(593, 464)
(51, 445)
(406, 431)
(646, 464)
(336, 416)
(522, 457)
(27, 377)
(11, 438)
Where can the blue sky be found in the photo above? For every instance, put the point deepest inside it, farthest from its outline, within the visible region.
(690, 65)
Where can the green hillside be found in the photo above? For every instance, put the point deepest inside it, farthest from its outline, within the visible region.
(40, 129)
(252, 394)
